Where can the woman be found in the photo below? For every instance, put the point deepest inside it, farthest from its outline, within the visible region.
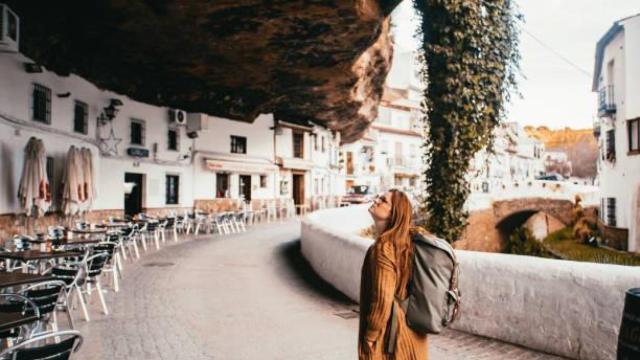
(385, 275)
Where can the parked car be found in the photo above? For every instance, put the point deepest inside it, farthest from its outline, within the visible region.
(359, 194)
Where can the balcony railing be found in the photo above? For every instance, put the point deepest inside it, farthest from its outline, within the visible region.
(606, 101)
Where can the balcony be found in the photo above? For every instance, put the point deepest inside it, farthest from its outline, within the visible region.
(606, 101)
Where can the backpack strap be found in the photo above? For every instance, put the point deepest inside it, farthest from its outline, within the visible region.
(454, 292)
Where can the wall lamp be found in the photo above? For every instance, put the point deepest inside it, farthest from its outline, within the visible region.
(109, 112)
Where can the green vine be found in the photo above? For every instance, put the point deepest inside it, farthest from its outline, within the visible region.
(470, 62)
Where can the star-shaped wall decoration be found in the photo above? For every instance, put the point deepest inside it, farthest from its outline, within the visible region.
(109, 145)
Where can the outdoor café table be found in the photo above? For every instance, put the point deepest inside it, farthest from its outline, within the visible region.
(36, 255)
(10, 320)
(10, 279)
(89, 231)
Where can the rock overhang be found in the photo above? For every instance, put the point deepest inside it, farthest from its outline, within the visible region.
(324, 60)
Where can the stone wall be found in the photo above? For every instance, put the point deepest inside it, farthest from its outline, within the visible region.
(481, 233)
(560, 209)
(561, 307)
(14, 224)
(616, 238)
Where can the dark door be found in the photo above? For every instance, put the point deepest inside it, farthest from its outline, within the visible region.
(133, 201)
(245, 187)
(298, 189)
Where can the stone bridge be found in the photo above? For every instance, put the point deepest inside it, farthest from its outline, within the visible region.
(517, 211)
(489, 228)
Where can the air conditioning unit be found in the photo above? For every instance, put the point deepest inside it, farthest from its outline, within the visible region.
(178, 117)
(197, 122)
(9, 29)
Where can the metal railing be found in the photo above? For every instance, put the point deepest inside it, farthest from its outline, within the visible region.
(606, 101)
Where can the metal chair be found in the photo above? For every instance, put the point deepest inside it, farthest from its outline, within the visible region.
(24, 305)
(72, 276)
(93, 269)
(40, 347)
(46, 295)
(111, 264)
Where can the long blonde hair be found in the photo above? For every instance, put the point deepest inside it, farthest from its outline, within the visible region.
(398, 233)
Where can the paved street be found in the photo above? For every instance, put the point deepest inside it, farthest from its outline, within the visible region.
(247, 296)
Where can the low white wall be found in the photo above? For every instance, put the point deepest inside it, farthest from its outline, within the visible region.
(561, 307)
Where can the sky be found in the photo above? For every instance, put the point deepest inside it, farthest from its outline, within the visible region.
(556, 68)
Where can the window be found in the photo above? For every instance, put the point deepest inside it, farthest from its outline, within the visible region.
(633, 127)
(80, 117)
(173, 139)
(316, 190)
(399, 155)
(238, 144)
(172, 193)
(263, 181)
(611, 145)
(323, 144)
(298, 144)
(12, 25)
(222, 186)
(284, 187)
(137, 132)
(611, 211)
(41, 104)
(315, 142)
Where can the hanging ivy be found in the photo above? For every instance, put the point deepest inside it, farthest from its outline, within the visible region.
(470, 61)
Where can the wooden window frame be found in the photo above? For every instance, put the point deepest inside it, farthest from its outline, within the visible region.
(85, 120)
(176, 131)
(172, 199)
(238, 144)
(142, 124)
(634, 149)
(47, 104)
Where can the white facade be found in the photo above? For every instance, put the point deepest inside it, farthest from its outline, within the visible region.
(308, 153)
(17, 126)
(516, 157)
(215, 159)
(390, 153)
(617, 80)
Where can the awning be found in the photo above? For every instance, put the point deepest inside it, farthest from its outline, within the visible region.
(296, 164)
(249, 166)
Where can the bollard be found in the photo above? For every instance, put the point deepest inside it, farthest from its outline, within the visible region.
(629, 337)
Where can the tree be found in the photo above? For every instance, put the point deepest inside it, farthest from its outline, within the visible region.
(470, 61)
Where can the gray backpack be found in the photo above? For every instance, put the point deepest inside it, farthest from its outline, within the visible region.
(433, 300)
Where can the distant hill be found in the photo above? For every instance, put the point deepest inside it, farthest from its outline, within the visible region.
(579, 144)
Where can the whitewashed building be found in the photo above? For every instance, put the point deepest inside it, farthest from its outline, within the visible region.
(515, 157)
(390, 153)
(233, 159)
(140, 145)
(307, 155)
(617, 81)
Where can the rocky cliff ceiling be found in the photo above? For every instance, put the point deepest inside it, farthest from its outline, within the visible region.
(318, 60)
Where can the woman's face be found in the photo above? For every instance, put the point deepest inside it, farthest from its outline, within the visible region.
(381, 208)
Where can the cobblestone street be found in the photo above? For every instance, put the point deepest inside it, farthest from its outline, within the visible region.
(245, 296)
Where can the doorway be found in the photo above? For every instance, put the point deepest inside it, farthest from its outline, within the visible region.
(245, 187)
(298, 189)
(133, 200)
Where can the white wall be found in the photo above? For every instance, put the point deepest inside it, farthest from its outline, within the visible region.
(561, 307)
(215, 143)
(16, 127)
(621, 179)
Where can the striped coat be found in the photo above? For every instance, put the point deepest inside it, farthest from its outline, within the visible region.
(377, 290)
